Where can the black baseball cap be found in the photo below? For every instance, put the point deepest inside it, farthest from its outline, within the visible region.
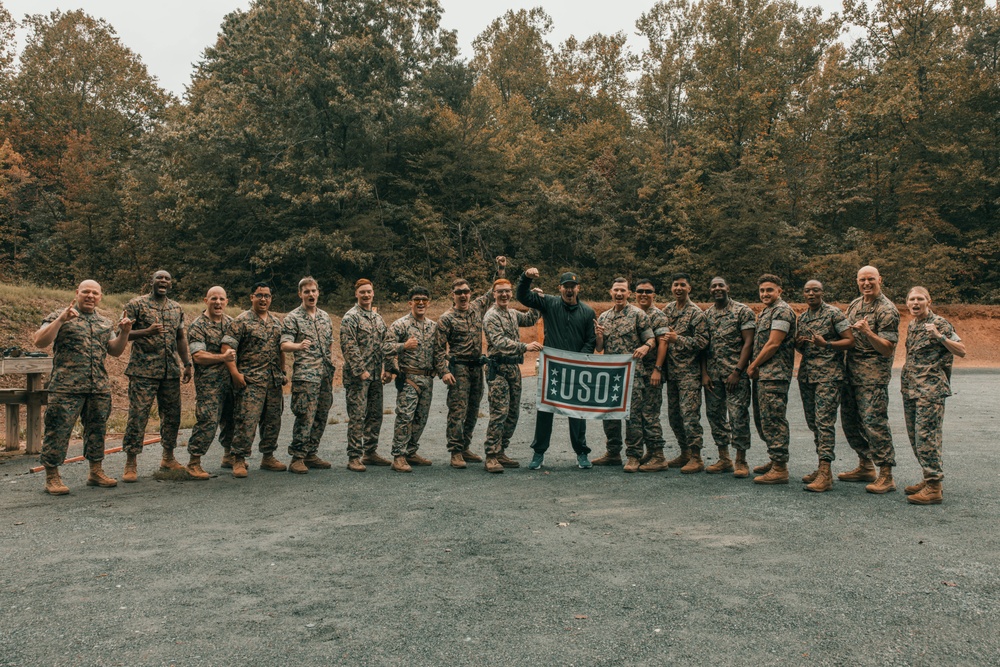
(569, 277)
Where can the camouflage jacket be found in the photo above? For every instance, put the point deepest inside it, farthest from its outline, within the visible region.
(657, 320)
(425, 356)
(363, 337)
(692, 337)
(864, 363)
(258, 347)
(204, 335)
(460, 332)
(155, 356)
(79, 351)
(927, 371)
(779, 316)
(726, 327)
(822, 364)
(501, 327)
(626, 330)
(316, 363)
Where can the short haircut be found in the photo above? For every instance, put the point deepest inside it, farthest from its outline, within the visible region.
(680, 276)
(645, 281)
(308, 280)
(770, 278)
(458, 281)
(419, 290)
(619, 279)
(502, 282)
(361, 282)
(724, 281)
(919, 289)
(258, 285)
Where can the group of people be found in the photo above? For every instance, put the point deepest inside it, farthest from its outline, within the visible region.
(740, 362)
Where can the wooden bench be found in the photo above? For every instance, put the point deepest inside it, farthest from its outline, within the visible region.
(33, 397)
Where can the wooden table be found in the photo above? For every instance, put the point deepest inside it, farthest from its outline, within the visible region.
(32, 396)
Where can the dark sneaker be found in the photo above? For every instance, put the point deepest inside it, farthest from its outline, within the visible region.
(536, 461)
(583, 461)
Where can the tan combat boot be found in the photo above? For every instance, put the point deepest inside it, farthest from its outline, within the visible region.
(314, 461)
(493, 465)
(931, 494)
(399, 464)
(778, 474)
(681, 459)
(763, 469)
(355, 465)
(298, 466)
(457, 460)
(865, 472)
(631, 464)
(195, 470)
(508, 462)
(724, 464)
(823, 480)
(694, 464)
(239, 466)
(647, 456)
(53, 482)
(471, 457)
(740, 467)
(268, 462)
(883, 483)
(98, 478)
(373, 459)
(609, 459)
(415, 459)
(656, 462)
(227, 458)
(915, 488)
(131, 464)
(811, 477)
(168, 462)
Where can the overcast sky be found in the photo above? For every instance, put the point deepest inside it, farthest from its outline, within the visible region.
(170, 35)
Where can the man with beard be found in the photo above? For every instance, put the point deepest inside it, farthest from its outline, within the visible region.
(413, 356)
(651, 404)
(158, 338)
(506, 352)
(258, 375)
(307, 333)
(459, 335)
(687, 337)
(569, 325)
(212, 384)
(864, 408)
(731, 326)
(81, 339)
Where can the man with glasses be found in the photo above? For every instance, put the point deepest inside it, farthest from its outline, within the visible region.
(258, 375)
(459, 336)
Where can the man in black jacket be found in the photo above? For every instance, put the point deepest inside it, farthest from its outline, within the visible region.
(569, 325)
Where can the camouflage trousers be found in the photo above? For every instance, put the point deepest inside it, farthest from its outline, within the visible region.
(772, 399)
(364, 415)
(413, 406)
(464, 398)
(684, 410)
(311, 403)
(820, 401)
(60, 417)
(505, 408)
(141, 394)
(729, 413)
(213, 412)
(924, 420)
(864, 416)
(650, 406)
(633, 425)
(259, 405)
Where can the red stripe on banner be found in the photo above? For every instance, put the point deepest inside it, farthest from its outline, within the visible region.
(589, 363)
(577, 363)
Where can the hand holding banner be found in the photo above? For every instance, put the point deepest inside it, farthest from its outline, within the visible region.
(586, 386)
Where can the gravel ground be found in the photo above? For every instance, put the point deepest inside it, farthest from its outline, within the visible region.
(560, 566)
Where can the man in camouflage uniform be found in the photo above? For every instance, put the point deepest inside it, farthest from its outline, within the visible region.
(651, 404)
(212, 384)
(823, 335)
(864, 406)
(506, 352)
(731, 326)
(414, 357)
(307, 333)
(687, 337)
(363, 337)
(81, 339)
(459, 334)
(625, 329)
(158, 338)
(771, 368)
(258, 375)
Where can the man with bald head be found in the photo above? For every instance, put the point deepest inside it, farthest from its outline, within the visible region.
(864, 409)
(81, 339)
(212, 383)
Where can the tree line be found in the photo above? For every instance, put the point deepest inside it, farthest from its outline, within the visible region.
(347, 138)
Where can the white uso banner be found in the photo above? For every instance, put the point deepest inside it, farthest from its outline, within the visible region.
(588, 386)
